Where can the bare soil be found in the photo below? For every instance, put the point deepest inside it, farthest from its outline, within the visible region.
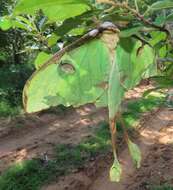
(27, 138)
(156, 143)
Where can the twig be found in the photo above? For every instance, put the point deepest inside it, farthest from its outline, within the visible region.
(141, 39)
(167, 59)
(142, 18)
(125, 5)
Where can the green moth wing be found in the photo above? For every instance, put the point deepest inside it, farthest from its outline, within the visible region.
(115, 171)
(134, 60)
(128, 68)
(75, 79)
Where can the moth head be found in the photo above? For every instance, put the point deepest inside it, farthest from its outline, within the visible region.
(109, 26)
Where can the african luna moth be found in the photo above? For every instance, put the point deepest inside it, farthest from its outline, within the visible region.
(98, 68)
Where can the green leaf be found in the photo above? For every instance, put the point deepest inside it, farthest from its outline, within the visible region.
(15, 22)
(5, 23)
(42, 57)
(52, 40)
(131, 31)
(72, 23)
(115, 171)
(23, 23)
(72, 80)
(163, 51)
(170, 17)
(159, 5)
(77, 31)
(55, 10)
(163, 81)
(160, 20)
(135, 153)
(157, 37)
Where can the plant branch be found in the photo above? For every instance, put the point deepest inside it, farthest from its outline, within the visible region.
(167, 59)
(141, 39)
(140, 17)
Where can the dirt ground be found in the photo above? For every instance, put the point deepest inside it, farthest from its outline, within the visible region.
(35, 135)
(156, 144)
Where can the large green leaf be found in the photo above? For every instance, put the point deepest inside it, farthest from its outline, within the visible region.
(76, 79)
(56, 10)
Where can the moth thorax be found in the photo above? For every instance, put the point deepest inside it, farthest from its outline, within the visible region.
(111, 40)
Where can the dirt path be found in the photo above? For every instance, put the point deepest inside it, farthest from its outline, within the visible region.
(154, 140)
(34, 138)
(31, 136)
(156, 143)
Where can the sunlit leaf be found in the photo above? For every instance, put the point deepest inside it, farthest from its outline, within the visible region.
(41, 59)
(55, 10)
(77, 31)
(52, 40)
(157, 37)
(5, 23)
(17, 22)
